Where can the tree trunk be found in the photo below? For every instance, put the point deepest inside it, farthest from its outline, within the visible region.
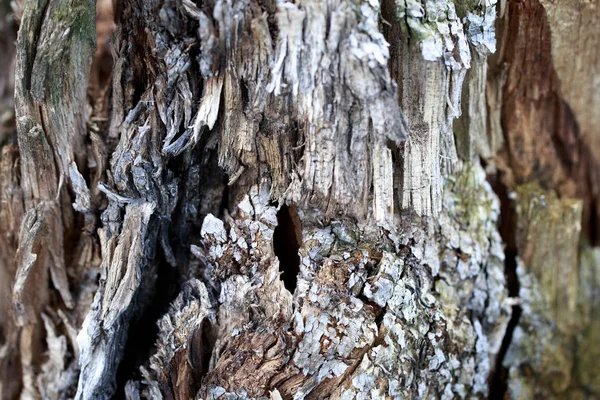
(260, 199)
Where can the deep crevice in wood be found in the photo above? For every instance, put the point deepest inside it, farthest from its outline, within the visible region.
(201, 346)
(208, 343)
(498, 379)
(287, 239)
(143, 332)
(390, 28)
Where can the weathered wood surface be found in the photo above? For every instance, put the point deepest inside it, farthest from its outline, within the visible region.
(299, 199)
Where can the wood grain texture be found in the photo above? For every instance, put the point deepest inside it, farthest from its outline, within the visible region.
(342, 199)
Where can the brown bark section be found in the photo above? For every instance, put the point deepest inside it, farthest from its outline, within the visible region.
(11, 210)
(543, 142)
(549, 163)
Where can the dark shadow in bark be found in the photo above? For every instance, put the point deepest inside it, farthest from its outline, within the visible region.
(202, 344)
(143, 330)
(498, 379)
(287, 239)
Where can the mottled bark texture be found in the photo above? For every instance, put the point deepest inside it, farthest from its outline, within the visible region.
(309, 199)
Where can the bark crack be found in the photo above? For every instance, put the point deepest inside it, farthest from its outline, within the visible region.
(498, 379)
(143, 333)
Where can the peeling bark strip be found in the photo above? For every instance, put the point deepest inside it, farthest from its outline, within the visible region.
(247, 199)
(54, 48)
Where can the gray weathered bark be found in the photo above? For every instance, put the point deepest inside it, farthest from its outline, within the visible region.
(342, 199)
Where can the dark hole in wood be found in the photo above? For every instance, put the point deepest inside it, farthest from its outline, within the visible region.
(287, 239)
(244, 94)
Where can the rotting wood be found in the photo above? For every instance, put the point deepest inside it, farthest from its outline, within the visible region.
(278, 199)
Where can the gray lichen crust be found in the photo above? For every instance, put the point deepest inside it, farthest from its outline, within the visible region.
(375, 314)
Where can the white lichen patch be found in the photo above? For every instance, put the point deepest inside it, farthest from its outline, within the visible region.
(481, 30)
(438, 337)
(239, 253)
(438, 30)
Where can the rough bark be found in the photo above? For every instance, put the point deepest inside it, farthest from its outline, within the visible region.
(341, 199)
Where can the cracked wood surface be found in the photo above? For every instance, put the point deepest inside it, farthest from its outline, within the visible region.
(235, 199)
